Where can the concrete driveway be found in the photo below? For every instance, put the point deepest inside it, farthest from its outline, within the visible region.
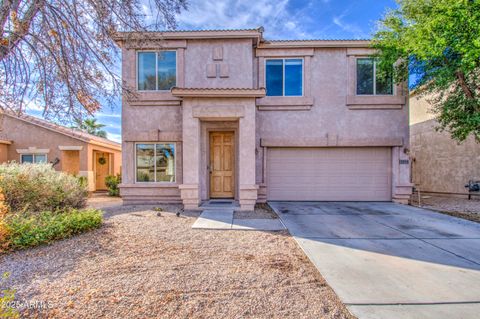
(387, 260)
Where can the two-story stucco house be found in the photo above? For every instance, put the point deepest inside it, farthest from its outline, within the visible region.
(228, 114)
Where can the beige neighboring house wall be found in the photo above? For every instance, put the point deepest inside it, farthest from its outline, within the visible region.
(439, 163)
(220, 86)
(28, 135)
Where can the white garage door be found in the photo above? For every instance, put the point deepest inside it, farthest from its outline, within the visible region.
(329, 174)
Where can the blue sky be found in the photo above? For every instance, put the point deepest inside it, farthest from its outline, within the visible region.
(282, 19)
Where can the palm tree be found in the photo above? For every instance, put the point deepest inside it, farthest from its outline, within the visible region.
(92, 127)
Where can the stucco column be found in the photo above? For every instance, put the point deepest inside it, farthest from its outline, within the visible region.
(189, 190)
(248, 188)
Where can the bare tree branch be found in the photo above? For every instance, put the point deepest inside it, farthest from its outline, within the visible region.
(60, 55)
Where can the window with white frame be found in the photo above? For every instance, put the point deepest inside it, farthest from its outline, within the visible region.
(369, 81)
(284, 77)
(156, 71)
(155, 162)
(33, 158)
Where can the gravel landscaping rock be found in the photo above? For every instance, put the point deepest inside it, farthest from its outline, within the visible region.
(458, 207)
(262, 211)
(146, 263)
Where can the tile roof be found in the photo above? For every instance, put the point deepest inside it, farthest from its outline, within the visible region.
(72, 132)
(313, 40)
(259, 29)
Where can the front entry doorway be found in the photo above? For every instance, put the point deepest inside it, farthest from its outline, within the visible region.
(222, 164)
(102, 169)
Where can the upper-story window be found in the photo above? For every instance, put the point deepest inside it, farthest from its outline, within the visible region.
(368, 81)
(284, 77)
(156, 71)
(33, 158)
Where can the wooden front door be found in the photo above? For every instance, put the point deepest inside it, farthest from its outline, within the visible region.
(222, 163)
(102, 167)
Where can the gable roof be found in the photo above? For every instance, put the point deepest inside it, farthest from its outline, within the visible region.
(71, 132)
(191, 34)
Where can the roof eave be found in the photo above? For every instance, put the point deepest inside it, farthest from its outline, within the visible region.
(7, 142)
(255, 34)
(315, 44)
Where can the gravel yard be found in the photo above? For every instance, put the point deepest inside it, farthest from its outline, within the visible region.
(141, 265)
(458, 207)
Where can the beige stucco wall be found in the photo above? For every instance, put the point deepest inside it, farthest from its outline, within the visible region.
(25, 135)
(440, 163)
(420, 110)
(237, 55)
(329, 114)
(3, 153)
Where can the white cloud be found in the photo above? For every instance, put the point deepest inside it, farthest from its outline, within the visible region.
(275, 16)
(108, 115)
(114, 137)
(351, 28)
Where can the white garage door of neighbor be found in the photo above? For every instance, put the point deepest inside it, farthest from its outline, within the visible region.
(329, 174)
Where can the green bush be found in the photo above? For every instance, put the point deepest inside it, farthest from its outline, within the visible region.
(112, 182)
(38, 187)
(32, 229)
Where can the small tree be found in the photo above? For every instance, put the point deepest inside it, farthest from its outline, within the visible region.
(440, 42)
(92, 127)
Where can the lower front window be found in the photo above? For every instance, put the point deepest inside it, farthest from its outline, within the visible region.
(155, 162)
(33, 158)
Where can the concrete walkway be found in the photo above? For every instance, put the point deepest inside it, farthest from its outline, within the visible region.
(223, 219)
(387, 260)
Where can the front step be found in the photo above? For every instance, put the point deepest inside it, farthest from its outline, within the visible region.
(218, 204)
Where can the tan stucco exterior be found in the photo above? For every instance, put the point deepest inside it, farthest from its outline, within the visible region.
(230, 95)
(439, 163)
(73, 149)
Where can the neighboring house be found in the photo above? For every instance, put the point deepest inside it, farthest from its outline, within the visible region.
(228, 114)
(439, 163)
(27, 139)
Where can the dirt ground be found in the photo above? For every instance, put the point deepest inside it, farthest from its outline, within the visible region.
(458, 207)
(142, 265)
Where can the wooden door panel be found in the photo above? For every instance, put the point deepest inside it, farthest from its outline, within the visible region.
(101, 170)
(227, 186)
(222, 163)
(227, 158)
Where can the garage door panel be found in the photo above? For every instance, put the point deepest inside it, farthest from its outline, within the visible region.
(329, 174)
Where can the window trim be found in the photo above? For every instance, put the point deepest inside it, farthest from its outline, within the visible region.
(33, 157)
(156, 69)
(283, 76)
(155, 164)
(394, 92)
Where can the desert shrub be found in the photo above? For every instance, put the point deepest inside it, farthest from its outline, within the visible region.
(7, 296)
(32, 229)
(112, 182)
(83, 181)
(38, 187)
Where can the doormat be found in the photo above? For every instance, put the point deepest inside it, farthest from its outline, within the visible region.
(220, 202)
